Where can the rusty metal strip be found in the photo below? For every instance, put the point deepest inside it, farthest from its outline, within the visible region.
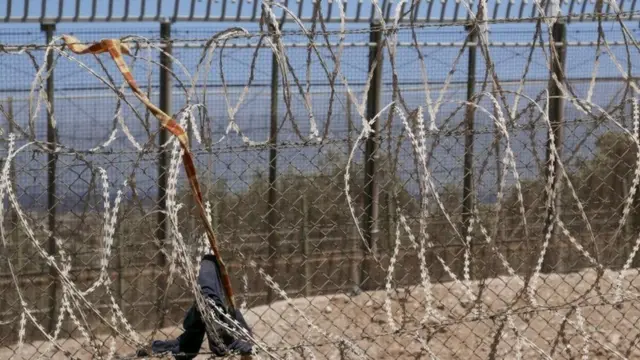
(116, 49)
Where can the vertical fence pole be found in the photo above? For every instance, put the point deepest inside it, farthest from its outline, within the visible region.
(349, 124)
(304, 234)
(52, 157)
(351, 236)
(119, 243)
(356, 257)
(13, 222)
(467, 188)
(391, 216)
(163, 164)
(500, 232)
(272, 196)
(371, 198)
(215, 217)
(191, 222)
(551, 262)
(625, 244)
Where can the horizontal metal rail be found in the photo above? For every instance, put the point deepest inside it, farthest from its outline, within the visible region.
(200, 45)
(99, 92)
(356, 11)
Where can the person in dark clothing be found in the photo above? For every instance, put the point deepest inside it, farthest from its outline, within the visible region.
(188, 344)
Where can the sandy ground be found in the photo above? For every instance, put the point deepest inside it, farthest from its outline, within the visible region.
(611, 332)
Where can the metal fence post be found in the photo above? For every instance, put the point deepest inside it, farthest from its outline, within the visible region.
(163, 162)
(191, 222)
(349, 124)
(625, 244)
(13, 222)
(391, 225)
(371, 197)
(467, 188)
(556, 117)
(304, 234)
(351, 236)
(52, 159)
(488, 263)
(215, 217)
(119, 243)
(272, 195)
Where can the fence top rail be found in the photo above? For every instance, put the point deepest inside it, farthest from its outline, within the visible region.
(356, 11)
(202, 44)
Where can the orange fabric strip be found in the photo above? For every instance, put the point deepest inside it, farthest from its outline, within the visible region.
(115, 48)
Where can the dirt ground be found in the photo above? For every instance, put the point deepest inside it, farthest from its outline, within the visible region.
(610, 331)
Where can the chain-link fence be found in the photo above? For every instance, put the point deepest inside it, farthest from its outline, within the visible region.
(454, 229)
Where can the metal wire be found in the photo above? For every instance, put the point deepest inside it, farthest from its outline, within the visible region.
(443, 280)
(247, 10)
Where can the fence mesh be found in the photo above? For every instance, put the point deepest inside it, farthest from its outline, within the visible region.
(493, 213)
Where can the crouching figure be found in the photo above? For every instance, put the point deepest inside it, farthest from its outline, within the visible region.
(223, 342)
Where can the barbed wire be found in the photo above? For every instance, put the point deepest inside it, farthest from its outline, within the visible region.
(161, 42)
(555, 206)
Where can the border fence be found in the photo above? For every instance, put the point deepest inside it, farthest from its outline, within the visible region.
(490, 211)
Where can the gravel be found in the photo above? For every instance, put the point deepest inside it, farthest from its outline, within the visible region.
(342, 326)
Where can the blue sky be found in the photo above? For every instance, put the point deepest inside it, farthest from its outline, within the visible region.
(85, 110)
